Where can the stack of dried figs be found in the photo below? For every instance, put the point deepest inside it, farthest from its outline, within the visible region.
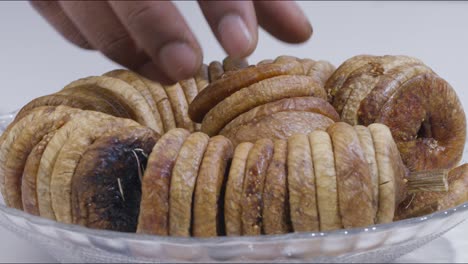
(287, 145)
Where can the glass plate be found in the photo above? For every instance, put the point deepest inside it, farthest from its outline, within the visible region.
(378, 243)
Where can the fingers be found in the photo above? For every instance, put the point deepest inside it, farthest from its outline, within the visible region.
(161, 31)
(234, 25)
(54, 15)
(284, 20)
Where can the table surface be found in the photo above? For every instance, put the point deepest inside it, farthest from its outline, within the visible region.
(36, 61)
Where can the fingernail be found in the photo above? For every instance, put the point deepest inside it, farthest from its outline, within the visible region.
(178, 60)
(235, 36)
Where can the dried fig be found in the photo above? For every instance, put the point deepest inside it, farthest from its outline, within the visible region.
(234, 186)
(154, 206)
(28, 181)
(134, 80)
(265, 91)
(182, 187)
(123, 93)
(106, 186)
(275, 212)
(254, 181)
(202, 78)
(280, 125)
(208, 220)
(301, 185)
(353, 177)
(325, 179)
(427, 122)
(231, 64)
(217, 91)
(215, 70)
(19, 140)
(179, 107)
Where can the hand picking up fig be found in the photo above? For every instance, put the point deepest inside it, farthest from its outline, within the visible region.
(421, 109)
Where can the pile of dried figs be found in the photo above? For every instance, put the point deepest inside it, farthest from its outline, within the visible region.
(287, 145)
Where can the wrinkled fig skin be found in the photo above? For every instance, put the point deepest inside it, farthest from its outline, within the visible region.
(208, 196)
(427, 122)
(179, 107)
(218, 90)
(231, 64)
(154, 207)
(254, 181)
(56, 100)
(276, 218)
(280, 125)
(424, 203)
(106, 187)
(234, 185)
(263, 92)
(215, 70)
(353, 177)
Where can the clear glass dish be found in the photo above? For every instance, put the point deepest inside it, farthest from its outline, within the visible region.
(379, 243)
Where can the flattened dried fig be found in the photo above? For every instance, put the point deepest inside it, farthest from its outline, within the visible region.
(106, 186)
(254, 181)
(20, 139)
(427, 122)
(179, 107)
(353, 177)
(275, 212)
(134, 80)
(162, 103)
(280, 125)
(184, 176)
(154, 206)
(202, 78)
(325, 180)
(125, 94)
(207, 204)
(231, 64)
(367, 144)
(263, 92)
(28, 181)
(217, 91)
(301, 185)
(234, 186)
(319, 70)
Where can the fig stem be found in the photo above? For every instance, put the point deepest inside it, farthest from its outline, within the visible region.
(428, 181)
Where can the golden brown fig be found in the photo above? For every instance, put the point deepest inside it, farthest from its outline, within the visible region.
(428, 123)
(422, 203)
(190, 89)
(275, 212)
(254, 181)
(391, 173)
(217, 91)
(182, 187)
(162, 103)
(301, 185)
(353, 177)
(319, 70)
(123, 92)
(134, 80)
(265, 61)
(231, 64)
(76, 136)
(56, 100)
(154, 206)
(367, 144)
(179, 107)
(325, 179)
(215, 70)
(18, 141)
(234, 186)
(307, 64)
(335, 82)
(28, 181)
(388, 83)
(265, 91)
(280, 125)
(108, 101)
(106, 186)
(208, 218)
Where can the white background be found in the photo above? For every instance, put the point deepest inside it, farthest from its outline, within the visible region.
(35, 60)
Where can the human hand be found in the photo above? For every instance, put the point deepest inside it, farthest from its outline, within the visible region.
(153, 39)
